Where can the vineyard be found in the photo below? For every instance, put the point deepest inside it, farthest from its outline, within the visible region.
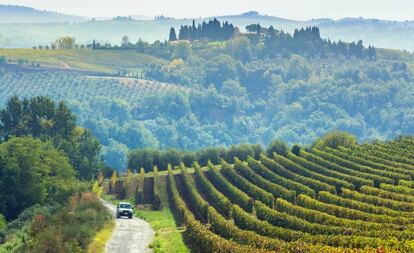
(357, 199)
(64, 86)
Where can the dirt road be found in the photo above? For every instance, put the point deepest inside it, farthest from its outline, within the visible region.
(129, 236)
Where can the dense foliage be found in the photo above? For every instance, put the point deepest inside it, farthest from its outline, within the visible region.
(148, 158)
(212, 30)
(33, 172)
(40, 117)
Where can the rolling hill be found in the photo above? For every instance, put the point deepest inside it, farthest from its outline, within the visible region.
(21, 14)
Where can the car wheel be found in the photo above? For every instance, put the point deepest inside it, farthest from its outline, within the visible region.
(130, 216)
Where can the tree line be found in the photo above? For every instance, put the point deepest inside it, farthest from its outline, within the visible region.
(211, 30)
(147, 158)
(306, 41)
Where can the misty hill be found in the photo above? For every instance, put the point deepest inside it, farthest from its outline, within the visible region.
(22, 14)
(380, 33)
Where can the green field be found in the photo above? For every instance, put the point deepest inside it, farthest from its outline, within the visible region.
(105, 61)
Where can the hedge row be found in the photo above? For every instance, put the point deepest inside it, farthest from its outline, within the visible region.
(197, 232)
(232, 192)
(221, 226)
(387, 194)
(247, 221)
(398, 188)
(348, 213)
(364, 178)
(375, 200)
(266, 173)
(285, 220)
(299, 169)
(352, 169)
(360, 152)
(315, 216)
(409, 184)
(218, 200)
(277, 190)
(228, 230)
(282, 171)
(387, 154)
(329, 198)
(353, 181)
(243, 184)
(379, 169)
(194, 198)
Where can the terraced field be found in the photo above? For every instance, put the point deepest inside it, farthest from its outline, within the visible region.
(356, 199)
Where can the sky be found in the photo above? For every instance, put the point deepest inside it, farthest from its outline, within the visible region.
(295, 9)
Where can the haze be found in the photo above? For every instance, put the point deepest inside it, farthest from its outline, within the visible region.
(297, 9)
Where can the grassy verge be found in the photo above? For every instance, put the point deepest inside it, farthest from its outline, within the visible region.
(103, 236)
(168, 237)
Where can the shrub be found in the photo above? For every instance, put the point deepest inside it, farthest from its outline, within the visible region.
(336, 139)
(277, 146)
(139, 199)
(156, 201)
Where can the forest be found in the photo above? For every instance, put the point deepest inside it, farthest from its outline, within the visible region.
(252, 88)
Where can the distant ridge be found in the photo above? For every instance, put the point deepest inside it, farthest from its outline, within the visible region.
(22, 14)
(255, 15)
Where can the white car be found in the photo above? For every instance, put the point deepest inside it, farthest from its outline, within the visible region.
(124, 209)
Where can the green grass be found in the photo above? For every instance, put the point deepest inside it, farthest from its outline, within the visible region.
(101, 239)
(168, 237)
(105, 61)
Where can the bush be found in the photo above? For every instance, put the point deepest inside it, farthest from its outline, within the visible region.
(71, 229)
(336, 139)
(277, 146)
(156, 201)
(139, 199)
(2, 222)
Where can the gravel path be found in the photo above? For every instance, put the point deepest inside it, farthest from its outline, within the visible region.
(129, 236)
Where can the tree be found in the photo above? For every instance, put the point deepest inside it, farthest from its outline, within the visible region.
(32, 172)
(125, 43)
(240, 48)
(335, 139)
(277, 146)
(41, 118)
(113, 181)
(182, 50)
(173, 35)
(65, 42)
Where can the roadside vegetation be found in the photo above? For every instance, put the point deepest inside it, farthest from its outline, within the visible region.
(46, 164)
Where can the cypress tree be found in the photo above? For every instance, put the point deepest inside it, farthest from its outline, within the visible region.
(173, 35)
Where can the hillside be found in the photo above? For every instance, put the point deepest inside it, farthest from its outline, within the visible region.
(380, 33)
(221, 93)
(321, 199)
(21, 14)
(107, 62)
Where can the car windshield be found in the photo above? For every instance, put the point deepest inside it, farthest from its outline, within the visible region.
(125, 206)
